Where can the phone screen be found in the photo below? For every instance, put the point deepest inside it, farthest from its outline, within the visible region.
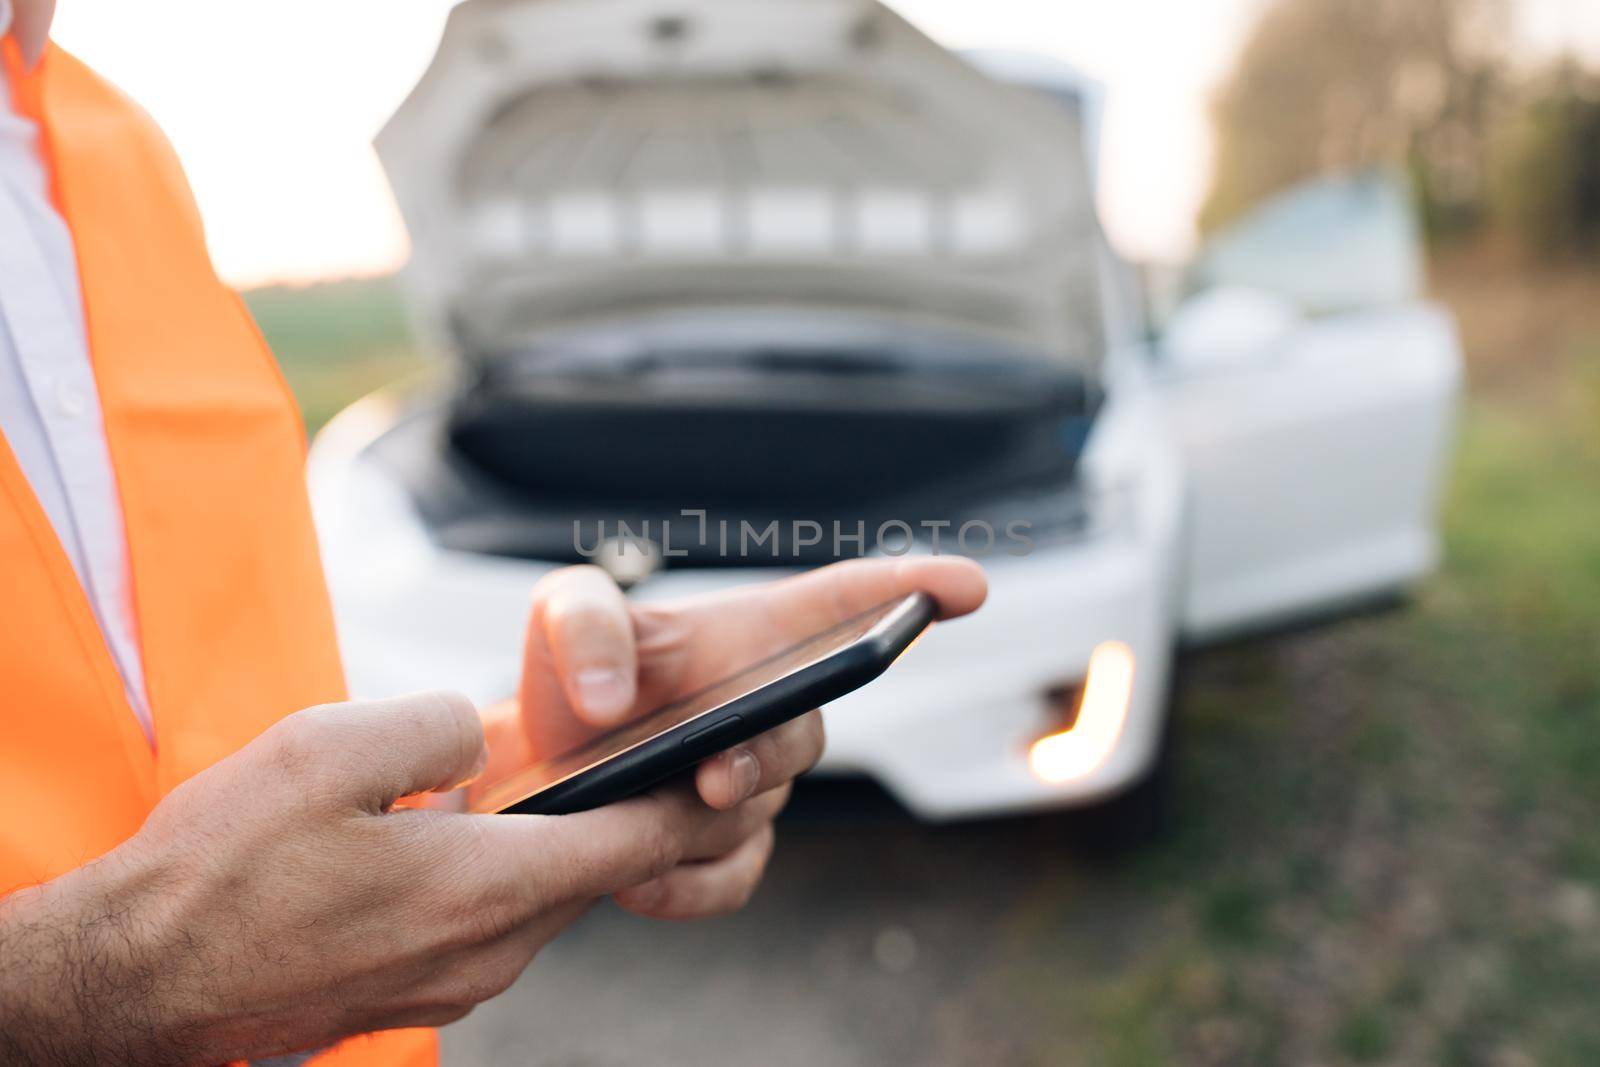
(484, 796)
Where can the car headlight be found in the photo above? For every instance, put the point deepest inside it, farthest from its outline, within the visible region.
(1083, 746)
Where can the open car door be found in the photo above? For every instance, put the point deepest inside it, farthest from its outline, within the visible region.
(1313, 392)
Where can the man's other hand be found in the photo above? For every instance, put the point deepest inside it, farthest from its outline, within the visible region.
(594, 659)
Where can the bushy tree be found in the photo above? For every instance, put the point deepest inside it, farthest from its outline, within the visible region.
(1544, 185)
(1326, 85)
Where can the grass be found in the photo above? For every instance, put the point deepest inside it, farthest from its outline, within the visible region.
(1387, 846)
(1387, 837)
(336, 341)
(1364, 1035)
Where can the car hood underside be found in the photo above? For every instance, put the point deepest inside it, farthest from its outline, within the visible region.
(540, 454)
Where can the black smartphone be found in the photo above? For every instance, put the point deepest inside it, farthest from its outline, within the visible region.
(673, 738)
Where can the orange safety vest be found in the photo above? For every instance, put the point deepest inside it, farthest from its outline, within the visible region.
(232, 611)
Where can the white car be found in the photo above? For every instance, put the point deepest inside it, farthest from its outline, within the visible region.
(757, 278)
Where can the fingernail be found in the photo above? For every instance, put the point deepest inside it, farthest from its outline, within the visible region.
(479, 765)
(744, 772)
(604, 692)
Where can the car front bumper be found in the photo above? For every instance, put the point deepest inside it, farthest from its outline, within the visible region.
(947, 731)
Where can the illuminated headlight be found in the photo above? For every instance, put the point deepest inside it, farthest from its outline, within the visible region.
(1082, 747)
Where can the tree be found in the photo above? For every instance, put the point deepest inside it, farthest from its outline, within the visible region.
(1326, 85)
(1544, 179)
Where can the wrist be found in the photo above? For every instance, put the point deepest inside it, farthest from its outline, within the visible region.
(80, 970)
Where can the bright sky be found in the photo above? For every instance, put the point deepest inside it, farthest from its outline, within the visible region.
(272, 105)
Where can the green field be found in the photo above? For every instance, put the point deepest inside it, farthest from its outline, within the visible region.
(1386, 841)
(336, 341)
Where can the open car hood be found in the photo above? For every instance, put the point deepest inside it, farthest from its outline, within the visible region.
(567, 164)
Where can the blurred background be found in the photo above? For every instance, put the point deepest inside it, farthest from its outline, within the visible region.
(1380, 842)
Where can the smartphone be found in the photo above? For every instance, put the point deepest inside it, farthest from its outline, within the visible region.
(654, 747)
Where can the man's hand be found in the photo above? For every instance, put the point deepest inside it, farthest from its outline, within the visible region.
(281, 900)
(593, 660)
(278, 901)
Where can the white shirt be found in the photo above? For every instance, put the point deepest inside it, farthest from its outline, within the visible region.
(49, 406)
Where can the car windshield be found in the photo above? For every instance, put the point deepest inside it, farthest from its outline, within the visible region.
(1331, 245)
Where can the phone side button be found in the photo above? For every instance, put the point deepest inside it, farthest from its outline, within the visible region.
(724, 728)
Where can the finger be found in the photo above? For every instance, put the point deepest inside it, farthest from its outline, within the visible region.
(701, 890)
(821, 598)
(775, 615)
(451, 801)
(585, 619)
(764, 762)
(595, 853)
(377, 751)
(483, 969)
(734, 828)
(416, 1018)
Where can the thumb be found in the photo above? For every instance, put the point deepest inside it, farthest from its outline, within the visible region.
(383, 750)
(593, 853)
